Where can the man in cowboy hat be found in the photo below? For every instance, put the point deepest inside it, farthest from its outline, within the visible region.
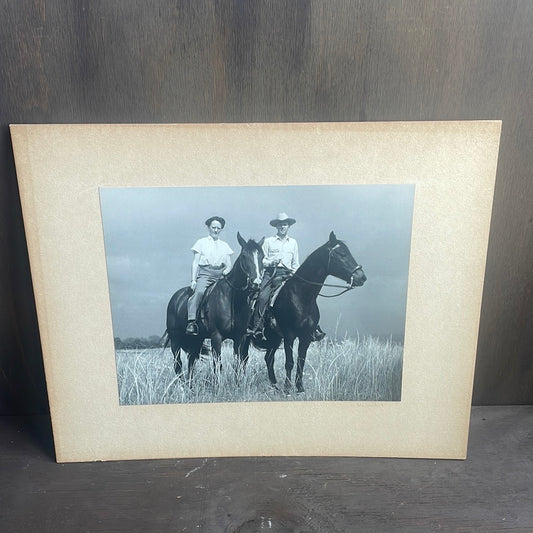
(211, 259)
(281, 261)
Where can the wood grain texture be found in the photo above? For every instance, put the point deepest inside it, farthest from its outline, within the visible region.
(489, 492)
(166, 61)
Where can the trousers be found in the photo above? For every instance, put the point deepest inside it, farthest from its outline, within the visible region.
(207, 275)
(272, 279)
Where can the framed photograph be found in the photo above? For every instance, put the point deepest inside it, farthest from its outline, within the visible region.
(253, 289)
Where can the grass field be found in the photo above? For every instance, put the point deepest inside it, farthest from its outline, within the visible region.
(350, 370)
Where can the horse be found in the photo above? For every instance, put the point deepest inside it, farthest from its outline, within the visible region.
(295, 313)
(224, 312)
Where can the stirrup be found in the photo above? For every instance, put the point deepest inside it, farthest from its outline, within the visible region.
(259, 335)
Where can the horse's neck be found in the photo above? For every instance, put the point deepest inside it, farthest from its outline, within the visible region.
(313, 270)
(236, 275)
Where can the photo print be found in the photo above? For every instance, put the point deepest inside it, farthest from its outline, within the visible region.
(300, 294)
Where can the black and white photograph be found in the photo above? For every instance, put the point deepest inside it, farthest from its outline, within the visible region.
(258, 293)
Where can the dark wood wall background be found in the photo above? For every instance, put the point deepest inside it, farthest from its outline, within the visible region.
(241, 61)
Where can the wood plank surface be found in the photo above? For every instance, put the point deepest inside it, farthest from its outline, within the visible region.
(231, 61)
(489, 492)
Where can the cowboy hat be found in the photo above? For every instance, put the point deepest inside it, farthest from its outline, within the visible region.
(219, 219)
(282, 217)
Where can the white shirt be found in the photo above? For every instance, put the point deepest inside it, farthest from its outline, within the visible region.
(212, 252)
(286, 250)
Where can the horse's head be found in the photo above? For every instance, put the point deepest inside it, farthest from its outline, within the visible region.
(341, 263)
(252, 259)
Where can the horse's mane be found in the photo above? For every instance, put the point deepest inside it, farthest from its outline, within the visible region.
(318, 251)
(250, 244)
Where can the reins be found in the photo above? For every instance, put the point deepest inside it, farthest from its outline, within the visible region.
(245, 287)
(315, 283)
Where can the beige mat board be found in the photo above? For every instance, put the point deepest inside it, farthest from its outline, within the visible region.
(452, 165)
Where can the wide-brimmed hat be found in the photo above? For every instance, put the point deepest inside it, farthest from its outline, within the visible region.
(219, 219)
(282, 217)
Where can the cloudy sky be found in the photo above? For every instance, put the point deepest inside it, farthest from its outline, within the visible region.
(149, 232)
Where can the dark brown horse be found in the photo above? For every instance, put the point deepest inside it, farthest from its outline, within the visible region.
(224, 314)
(295, 313)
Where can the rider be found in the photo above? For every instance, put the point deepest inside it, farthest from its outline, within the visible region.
(280, 262)
(211, 260)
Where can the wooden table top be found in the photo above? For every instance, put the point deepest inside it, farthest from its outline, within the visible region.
(490, 491)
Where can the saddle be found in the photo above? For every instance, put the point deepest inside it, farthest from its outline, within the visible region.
(202, 313)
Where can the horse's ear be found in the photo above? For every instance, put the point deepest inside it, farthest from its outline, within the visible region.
(332, 238)
(260, 243)
(242, 242)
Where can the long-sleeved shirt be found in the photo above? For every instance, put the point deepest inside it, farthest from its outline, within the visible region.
(285, 249)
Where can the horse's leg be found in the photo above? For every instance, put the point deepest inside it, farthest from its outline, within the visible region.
(176, 352)
(216, 350)
(289, 361)
(236, 359)
(303, 345)
(194, 355)
(242, 349)
(269, 360)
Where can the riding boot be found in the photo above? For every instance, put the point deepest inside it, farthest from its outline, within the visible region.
(318, 334)
(192, 328)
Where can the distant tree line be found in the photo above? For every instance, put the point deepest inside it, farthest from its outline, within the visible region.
(137, 343)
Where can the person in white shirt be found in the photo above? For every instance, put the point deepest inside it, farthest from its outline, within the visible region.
(211, 260)
(281, 261)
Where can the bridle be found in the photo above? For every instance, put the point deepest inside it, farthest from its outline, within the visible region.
(245, 288)
(249, 284)
(315, 283)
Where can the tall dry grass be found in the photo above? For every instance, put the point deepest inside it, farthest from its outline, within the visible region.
(350, 370)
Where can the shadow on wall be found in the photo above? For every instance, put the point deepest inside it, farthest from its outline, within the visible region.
(22, 381)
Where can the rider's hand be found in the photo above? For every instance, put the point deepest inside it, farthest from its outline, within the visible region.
(193, 284)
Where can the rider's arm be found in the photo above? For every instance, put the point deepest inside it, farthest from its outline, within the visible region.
(194, 270)
(227, 262)
(295, 264)
(268, 260)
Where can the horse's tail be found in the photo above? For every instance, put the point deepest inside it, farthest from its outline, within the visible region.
(165, 338)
